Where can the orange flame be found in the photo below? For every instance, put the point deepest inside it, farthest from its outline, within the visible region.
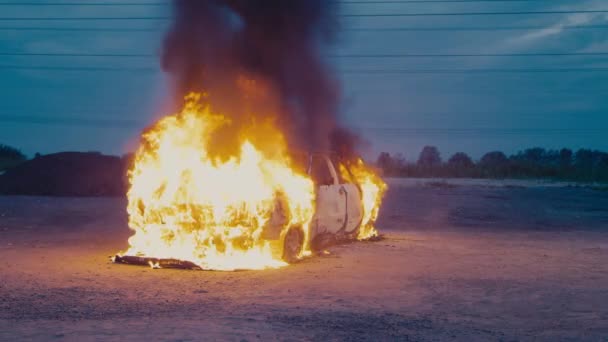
(189, 202)
(186, 204)
(372, 190)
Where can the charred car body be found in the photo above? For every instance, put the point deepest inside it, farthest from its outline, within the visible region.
(338, 211)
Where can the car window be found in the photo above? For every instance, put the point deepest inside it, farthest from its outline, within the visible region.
(339, 170)
(345, 174)
(300, 161)
(319, 171)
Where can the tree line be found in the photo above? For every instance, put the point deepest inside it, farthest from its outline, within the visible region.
(10, 156)
(584, 165)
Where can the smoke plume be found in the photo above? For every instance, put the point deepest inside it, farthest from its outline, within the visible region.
(260, 56)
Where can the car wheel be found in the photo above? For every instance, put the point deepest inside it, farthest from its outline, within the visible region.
(293, 244)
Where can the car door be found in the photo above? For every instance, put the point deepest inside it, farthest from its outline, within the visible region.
(354, 207)
(330, 215)
(354, 204)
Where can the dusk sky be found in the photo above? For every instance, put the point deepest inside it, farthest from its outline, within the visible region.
(468, 103)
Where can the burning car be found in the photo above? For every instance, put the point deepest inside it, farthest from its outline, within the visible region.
(252, 208)
(218, 185)
(338, 214)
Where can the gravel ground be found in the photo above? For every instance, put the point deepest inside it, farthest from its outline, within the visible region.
(458, 262)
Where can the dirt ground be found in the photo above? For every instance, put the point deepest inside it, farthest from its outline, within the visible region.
(469, 263)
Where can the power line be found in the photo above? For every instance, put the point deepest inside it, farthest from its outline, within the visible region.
(82, 18)
(430, 1)
(482, 129)
(390, 131)
(81, 29)
(78, 54)
(127, 123)
(83, 4)
(469, 71)
(473, 28)
(403, 131)
(165, 3)
(432, 55)
(354, 29)
(342, 15)
(347, 71)
(71, 121)
(70, 68)
(399, 55)
(471, 13)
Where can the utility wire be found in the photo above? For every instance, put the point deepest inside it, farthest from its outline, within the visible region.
(82, 18)
(432, 55)
(432, 1)
(469, 71)
(341, 15)
(166, 3)
(347, 71)
(472, 28)
(389, 131)
(83, 29)
(92, 121)
(471, 13)
(96, 122)
(83, 3)
(70, 68)
(353, 29)
(79, 54)
(398, 55)
(483, 130)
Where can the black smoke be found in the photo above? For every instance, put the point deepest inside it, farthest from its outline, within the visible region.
(277, 45)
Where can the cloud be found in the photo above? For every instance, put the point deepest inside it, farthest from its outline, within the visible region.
(574, 19)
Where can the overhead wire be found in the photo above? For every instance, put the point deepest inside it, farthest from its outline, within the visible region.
(347, 15)
(393, 55)
(379, 2)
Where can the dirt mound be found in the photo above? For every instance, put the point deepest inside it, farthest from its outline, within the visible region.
(67, 174)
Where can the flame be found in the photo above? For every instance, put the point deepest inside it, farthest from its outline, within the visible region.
(194, 197)
(372, 190)
(185, 203)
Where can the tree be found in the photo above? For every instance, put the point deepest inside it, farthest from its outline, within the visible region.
(565, 158)
(11, 153)
(583, 159)
(385, 162)
(534, 162)
(494, 164)
(493, 159)
(391, 165)
(602, 159)
(10, 156)
(399, 160)
(429, 157)
(534, 155)
(588, 164)
(601, 172)
(460, 160)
